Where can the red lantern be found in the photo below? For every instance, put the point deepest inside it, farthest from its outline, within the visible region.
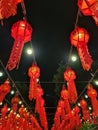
(79, 38)
(93, 96)
(21, 32)
(64, 96)
(89, 8)
(33, 73)
(70, 76)
(4, 89)
(40, 109)
(86, 114)
(15, 100)
(4, 110)
(78, 122)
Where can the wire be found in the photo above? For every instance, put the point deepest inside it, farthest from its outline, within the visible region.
(88, 83)
(71, 48)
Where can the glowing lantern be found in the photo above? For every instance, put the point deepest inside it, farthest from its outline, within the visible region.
(64, 96)
(89, 8)
(4, 89)
(40, 109)
(78, 122)
(21, 32)
(93, 96)
(33, 73)
(15, 101)
(79, 38)
(86, 114)
(70, 76)
(4, 110)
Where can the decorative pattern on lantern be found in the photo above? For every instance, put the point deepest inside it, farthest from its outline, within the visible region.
(79, 38)
(89, 8)
(33, 73)
(70, 76)
(8, 8)
(21, 32)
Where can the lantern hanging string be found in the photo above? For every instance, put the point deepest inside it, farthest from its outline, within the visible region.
(71, 48)
(14, 85)
(25, 17)
(23, 9)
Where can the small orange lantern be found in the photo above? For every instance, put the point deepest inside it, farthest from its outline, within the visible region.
(92, 93)
(89, 8)
(33, 73)
(65, 96)
(79, 38)
(4, 89)
(4, 110)
(86, 114)
(70, 76)
(21, 32)
(15, 100)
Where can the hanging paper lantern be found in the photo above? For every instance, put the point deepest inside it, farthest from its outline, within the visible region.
(33, 73)
(4, 110)
(78, 122)
(86, 114)
(89, 8)
(70, 76)
(15, 101)
(65, 96)
(92, 93)
(21, 32)
(79, 38)
(40, 109)
(4, 89)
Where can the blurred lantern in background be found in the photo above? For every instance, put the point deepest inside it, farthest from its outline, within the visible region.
(92, 94)
(4, 89)
(15, 101)
(85, 111)
(79, 38)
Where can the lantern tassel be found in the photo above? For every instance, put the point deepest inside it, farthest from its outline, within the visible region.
(32, 89)
(84, 56)
(15, 54)
(72, 91)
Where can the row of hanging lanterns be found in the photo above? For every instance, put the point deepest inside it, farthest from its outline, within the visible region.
(69, 118)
